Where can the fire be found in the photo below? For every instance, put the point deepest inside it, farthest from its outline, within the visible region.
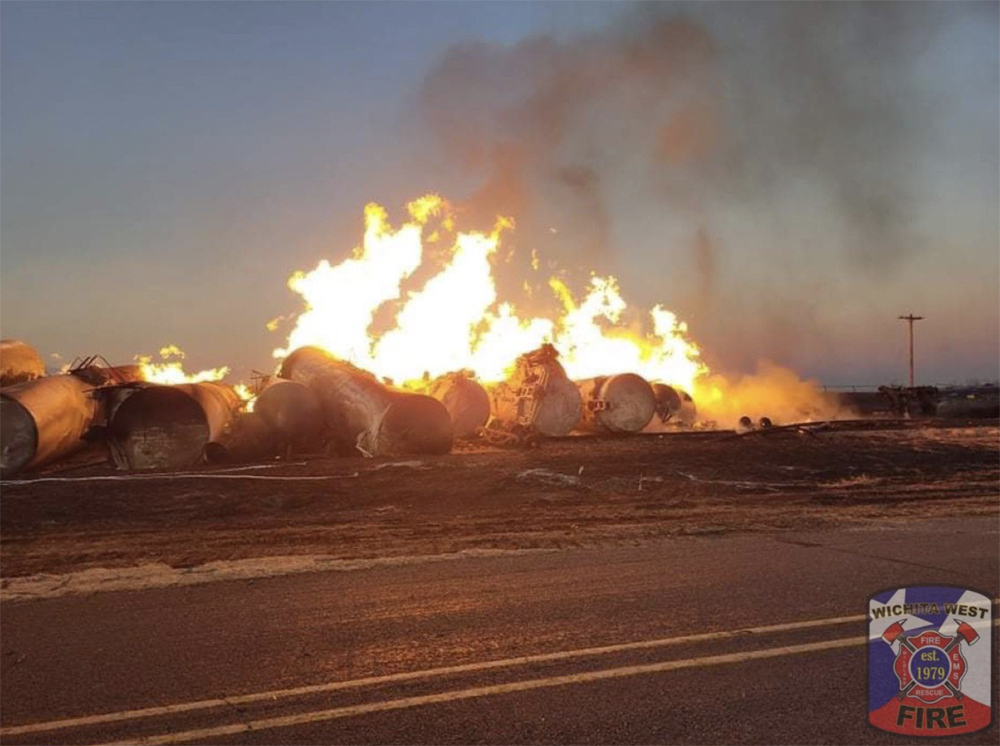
(588, 349)
(435, 335)
(246, 395)
(171, 370)
(343, 299)
(456, 319)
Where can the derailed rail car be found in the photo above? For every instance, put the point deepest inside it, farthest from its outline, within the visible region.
(43, 420)
(151, 426)
(622, 403)
(466, 400)
(361, 414)
(538, 396)
(674, 408)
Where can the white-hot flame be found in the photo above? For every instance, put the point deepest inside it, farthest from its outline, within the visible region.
(170, 370)
(456, 321)
(589, 348)
(342, 299)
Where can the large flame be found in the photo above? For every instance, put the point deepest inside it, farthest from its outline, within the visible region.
(456, 320)
(589, 349)
(343, 299)
(171, 370)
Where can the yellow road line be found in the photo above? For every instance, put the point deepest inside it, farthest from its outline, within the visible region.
(204, 704)
(485, 691)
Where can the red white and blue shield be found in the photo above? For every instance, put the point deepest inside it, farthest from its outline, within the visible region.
(930, 657)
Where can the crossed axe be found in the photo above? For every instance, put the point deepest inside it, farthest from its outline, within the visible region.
(894, 632)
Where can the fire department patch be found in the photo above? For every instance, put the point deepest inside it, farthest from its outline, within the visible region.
(930, 652)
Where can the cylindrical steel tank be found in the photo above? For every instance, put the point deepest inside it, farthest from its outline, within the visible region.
(287, 417)
(363, 414)
(42, 420)
(19, 362)
(292, 411)
(674, 407)
(466, 400)
(622, 403)
(167, 427)
(538, 395)
(246, 439)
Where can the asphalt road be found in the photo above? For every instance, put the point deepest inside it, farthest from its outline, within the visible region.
(731, 639)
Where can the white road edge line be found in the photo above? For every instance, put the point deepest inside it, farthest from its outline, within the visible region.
(112, 717)
(485, 691)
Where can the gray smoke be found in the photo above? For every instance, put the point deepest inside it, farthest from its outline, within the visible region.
(693, 149)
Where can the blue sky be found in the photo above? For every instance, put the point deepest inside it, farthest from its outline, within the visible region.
(166, 166)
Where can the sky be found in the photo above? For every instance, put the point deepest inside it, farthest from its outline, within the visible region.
(787, 177)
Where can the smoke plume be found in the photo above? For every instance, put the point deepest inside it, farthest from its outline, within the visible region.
(771, 391)
(728, 160)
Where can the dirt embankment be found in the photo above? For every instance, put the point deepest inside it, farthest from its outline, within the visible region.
(570, 492)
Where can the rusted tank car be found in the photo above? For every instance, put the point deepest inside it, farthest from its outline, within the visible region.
(621, 403)
(538, 396)
(466, 400)
(42, 420)
(150, 426)
(674, 408)
(292, 413)
(364, 415)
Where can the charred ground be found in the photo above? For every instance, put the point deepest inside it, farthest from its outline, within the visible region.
(567, 492)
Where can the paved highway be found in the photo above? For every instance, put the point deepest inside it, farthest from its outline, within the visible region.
(728, 639)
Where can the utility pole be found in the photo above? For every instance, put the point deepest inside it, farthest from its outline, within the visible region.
(910, 319)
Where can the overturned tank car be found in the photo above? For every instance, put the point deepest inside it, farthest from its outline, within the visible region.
(621, 403)
(48, 418)
(151, 426)
(43, 420)
(466, 400)
(674, 408)
(291, 414)
(286, 418)
(361, 414)
(538, 396)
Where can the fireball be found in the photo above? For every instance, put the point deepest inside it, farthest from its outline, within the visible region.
(456, 319)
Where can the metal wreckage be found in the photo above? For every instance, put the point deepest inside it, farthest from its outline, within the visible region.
(316, 403)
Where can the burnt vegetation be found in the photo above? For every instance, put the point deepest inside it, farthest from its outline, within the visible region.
(566, 493)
